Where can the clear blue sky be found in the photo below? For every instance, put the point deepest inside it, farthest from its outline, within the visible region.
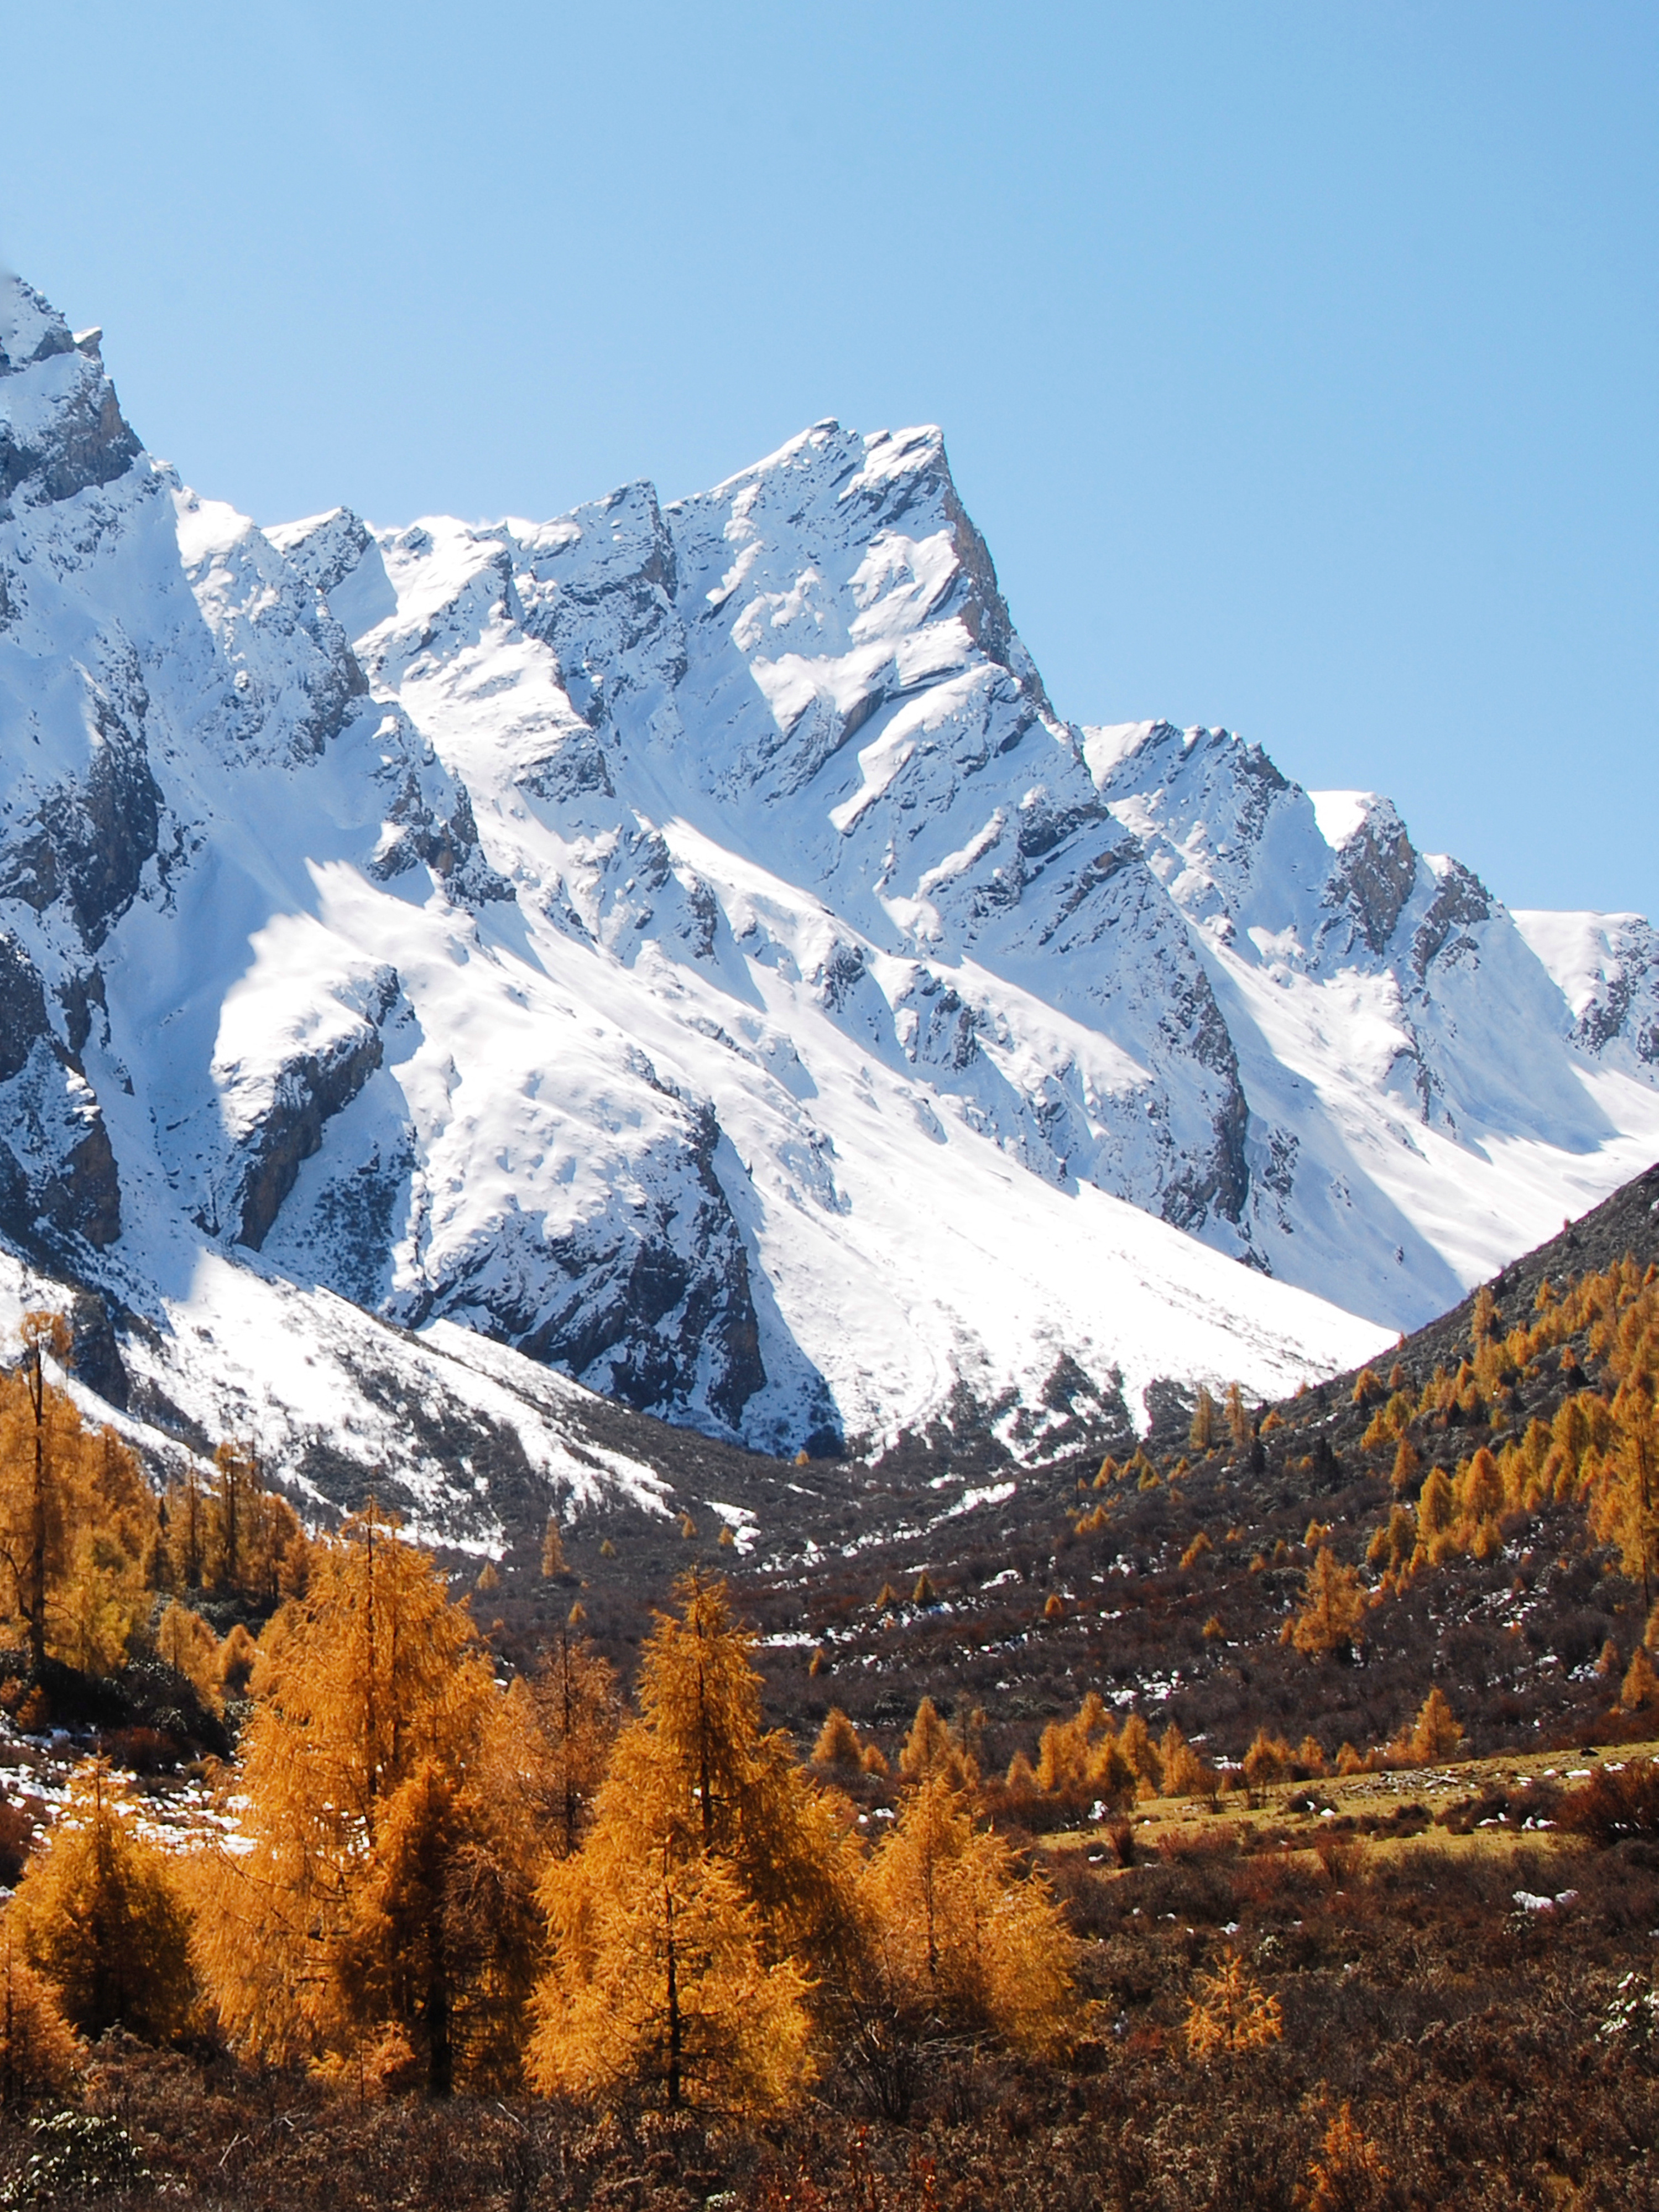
(1299, 361)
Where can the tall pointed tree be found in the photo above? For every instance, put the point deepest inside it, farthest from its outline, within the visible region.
(441, 1943)
(371, 1673)
(713, 1866)
(100, 1914)
(961, 1938)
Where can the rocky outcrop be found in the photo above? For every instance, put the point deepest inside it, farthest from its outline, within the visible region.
(684, 943)
(70, 436)
(657, 1307)
(308, 1092)
(1372, 877)
(88, 838)
(59, 1187)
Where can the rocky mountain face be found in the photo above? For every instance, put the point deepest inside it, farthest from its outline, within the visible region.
(680, 948)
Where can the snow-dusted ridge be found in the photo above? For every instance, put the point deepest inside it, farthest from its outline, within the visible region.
(681, 948)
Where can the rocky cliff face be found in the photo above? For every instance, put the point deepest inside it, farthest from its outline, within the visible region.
(682, 945)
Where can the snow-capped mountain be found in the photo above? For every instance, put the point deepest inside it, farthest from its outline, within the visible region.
(682, 947)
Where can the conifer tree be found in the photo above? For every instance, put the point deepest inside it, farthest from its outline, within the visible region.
(572, 1694)
(928, 1746)
(1239, 1425)
(371, 1673)
(1640, 1689)
(185, 1642)
(1624, 1506)
(838, 1744)
(1334, 1613)
(1311, 1755)
(661, 1981)
(552, 1550)
(713, 1874)
(1349, 2174)
(1436, 1733)
(1139, 1753)
(1062, 1760)
(188, 1521)
(1267, 1759)
(960, 1938)
(43, 1333)
(441, 1944)
(1229, 2011)
(38, 2055)
(1111, 1773)
(1435, 1508)
(1392, 1543)
(1482, 1487)
(77, 1520)
(1206, 1421)
(1183, 1774)
(229, 1532)
(1408, 1465)
(1021, 1780)
(238, 1656)
(99, 1914)
(234, 1534)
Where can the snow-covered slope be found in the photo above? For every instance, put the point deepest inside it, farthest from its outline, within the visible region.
(1433, 1082)
(682, 947)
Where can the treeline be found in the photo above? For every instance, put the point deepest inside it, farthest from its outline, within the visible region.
(432, 1880)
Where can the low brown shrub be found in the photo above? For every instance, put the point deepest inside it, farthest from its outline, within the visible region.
(1618, 1802)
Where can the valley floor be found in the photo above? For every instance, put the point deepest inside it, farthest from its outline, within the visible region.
(1467, 2017)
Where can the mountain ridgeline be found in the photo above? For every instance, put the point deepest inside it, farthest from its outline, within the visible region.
(460, 982)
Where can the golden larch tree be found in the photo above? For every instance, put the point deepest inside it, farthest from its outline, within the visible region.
(184, 1642)
(373, 1671)
(838, 1747)
(712, 1860)
(442, 1945)
(1205, 1422)
(553, 1564)
(573, 1711)
(1230, 2013)
(1349, 2174)
(660, 1983)
(1333, 1608)
(1240, 1427)
(38, 2055)
(77, 1518)
(960, 1937)
(99, 1913)
(1435, 1733)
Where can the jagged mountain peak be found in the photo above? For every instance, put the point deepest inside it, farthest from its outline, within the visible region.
(32, 331)
(61, 428)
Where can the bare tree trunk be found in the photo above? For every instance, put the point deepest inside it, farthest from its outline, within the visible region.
(36, 1615)
(675, 2033)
